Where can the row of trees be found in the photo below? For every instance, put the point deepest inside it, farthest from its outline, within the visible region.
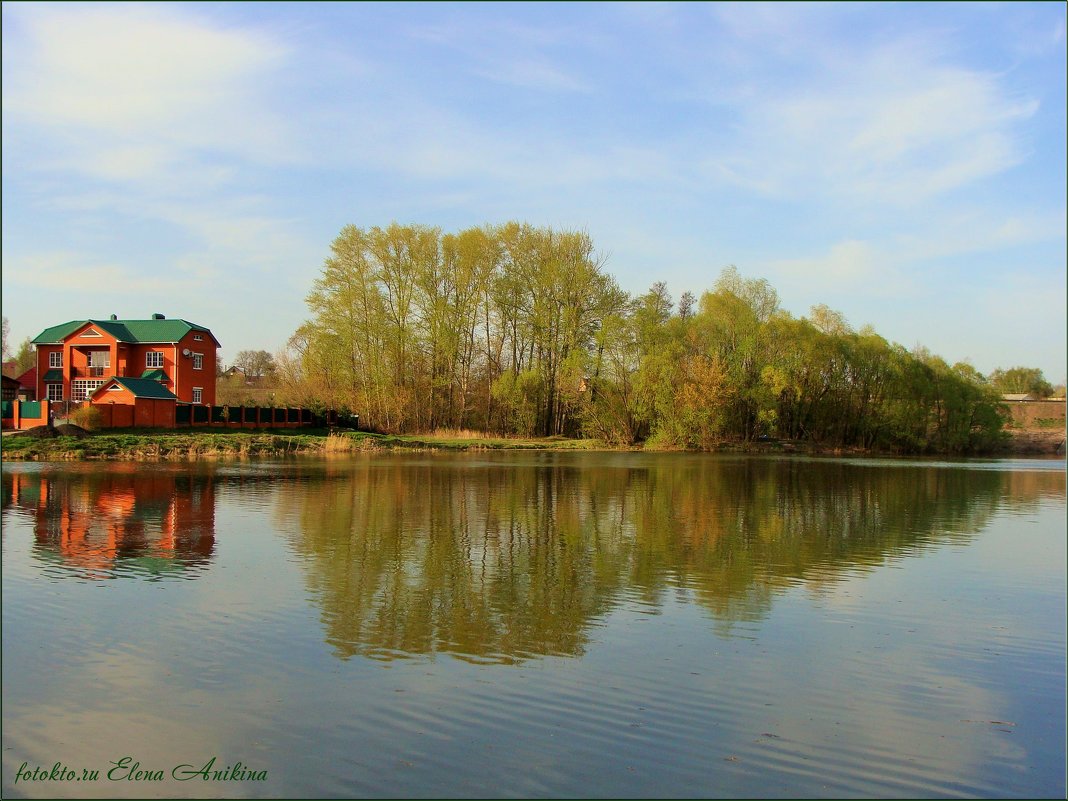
(491, 328)
(517, 329)
(741, 368)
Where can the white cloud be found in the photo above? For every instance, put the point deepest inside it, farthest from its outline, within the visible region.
(853, 266)
(128, 92)
(68, 271)
(954, 234)
(889, 126)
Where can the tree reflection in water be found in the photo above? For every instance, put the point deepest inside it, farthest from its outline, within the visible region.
(503, 558)
(501, 561)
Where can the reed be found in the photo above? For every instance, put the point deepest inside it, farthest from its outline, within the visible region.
(462, 433)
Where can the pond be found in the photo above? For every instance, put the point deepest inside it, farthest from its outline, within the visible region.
(535, 624)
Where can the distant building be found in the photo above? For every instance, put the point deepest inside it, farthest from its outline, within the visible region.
(1017, 397)
(10, 388)
(28, 385)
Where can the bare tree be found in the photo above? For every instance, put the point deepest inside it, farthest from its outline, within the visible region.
(255, 363)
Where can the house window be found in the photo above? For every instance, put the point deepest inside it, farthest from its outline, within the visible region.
(55, 392)
(198, 338)
(55, 359)
(99, 362)
(81, 389)
(198, 361)
(154, 358)
(92, 332)
(198, 394)
(115, 388)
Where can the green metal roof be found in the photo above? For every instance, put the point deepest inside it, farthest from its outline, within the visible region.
(141, 388)
(155, 375)
(54, 375)
(58, 333)
(136, 331)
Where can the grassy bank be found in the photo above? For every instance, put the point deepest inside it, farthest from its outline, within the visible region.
(215, 444)
(142, 444)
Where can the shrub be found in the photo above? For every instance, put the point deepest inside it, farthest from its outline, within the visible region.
(88, 417)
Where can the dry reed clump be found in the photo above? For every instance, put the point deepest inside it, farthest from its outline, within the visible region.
(461, 433)
(337, 443)
(88, 418)
(200, 451)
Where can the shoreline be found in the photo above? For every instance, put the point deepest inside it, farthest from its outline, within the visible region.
(212, 444)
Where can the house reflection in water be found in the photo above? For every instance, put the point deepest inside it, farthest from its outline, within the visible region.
(122, 521)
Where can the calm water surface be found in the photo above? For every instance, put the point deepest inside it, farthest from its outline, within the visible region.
(533, 624)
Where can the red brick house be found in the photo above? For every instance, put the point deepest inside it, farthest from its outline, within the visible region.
(77, 358)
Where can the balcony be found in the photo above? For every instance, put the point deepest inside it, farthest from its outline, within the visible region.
(91, 372)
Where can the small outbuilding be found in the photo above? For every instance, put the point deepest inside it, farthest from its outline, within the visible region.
(10, 388)
(28, 382)
(141, 402)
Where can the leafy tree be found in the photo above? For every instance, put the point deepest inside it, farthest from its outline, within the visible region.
(25, 356)
(515, 328)
(1018, 380)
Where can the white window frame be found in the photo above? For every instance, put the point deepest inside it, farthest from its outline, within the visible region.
(198, 361)
(198, 338)
(149, 359)
(49, 391)
(99, 362)
(82, 388)
(198, 394)
(55, 359)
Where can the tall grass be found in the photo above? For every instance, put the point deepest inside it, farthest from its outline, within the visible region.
(338, 443)
(462, 433)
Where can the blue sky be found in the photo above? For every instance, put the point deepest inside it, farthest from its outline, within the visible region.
(904, 164)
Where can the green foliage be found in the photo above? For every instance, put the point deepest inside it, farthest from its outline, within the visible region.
(517, 330)
(419, 330)
(1019, 380)
(88, 417)
(519, 397)
(25, 356)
